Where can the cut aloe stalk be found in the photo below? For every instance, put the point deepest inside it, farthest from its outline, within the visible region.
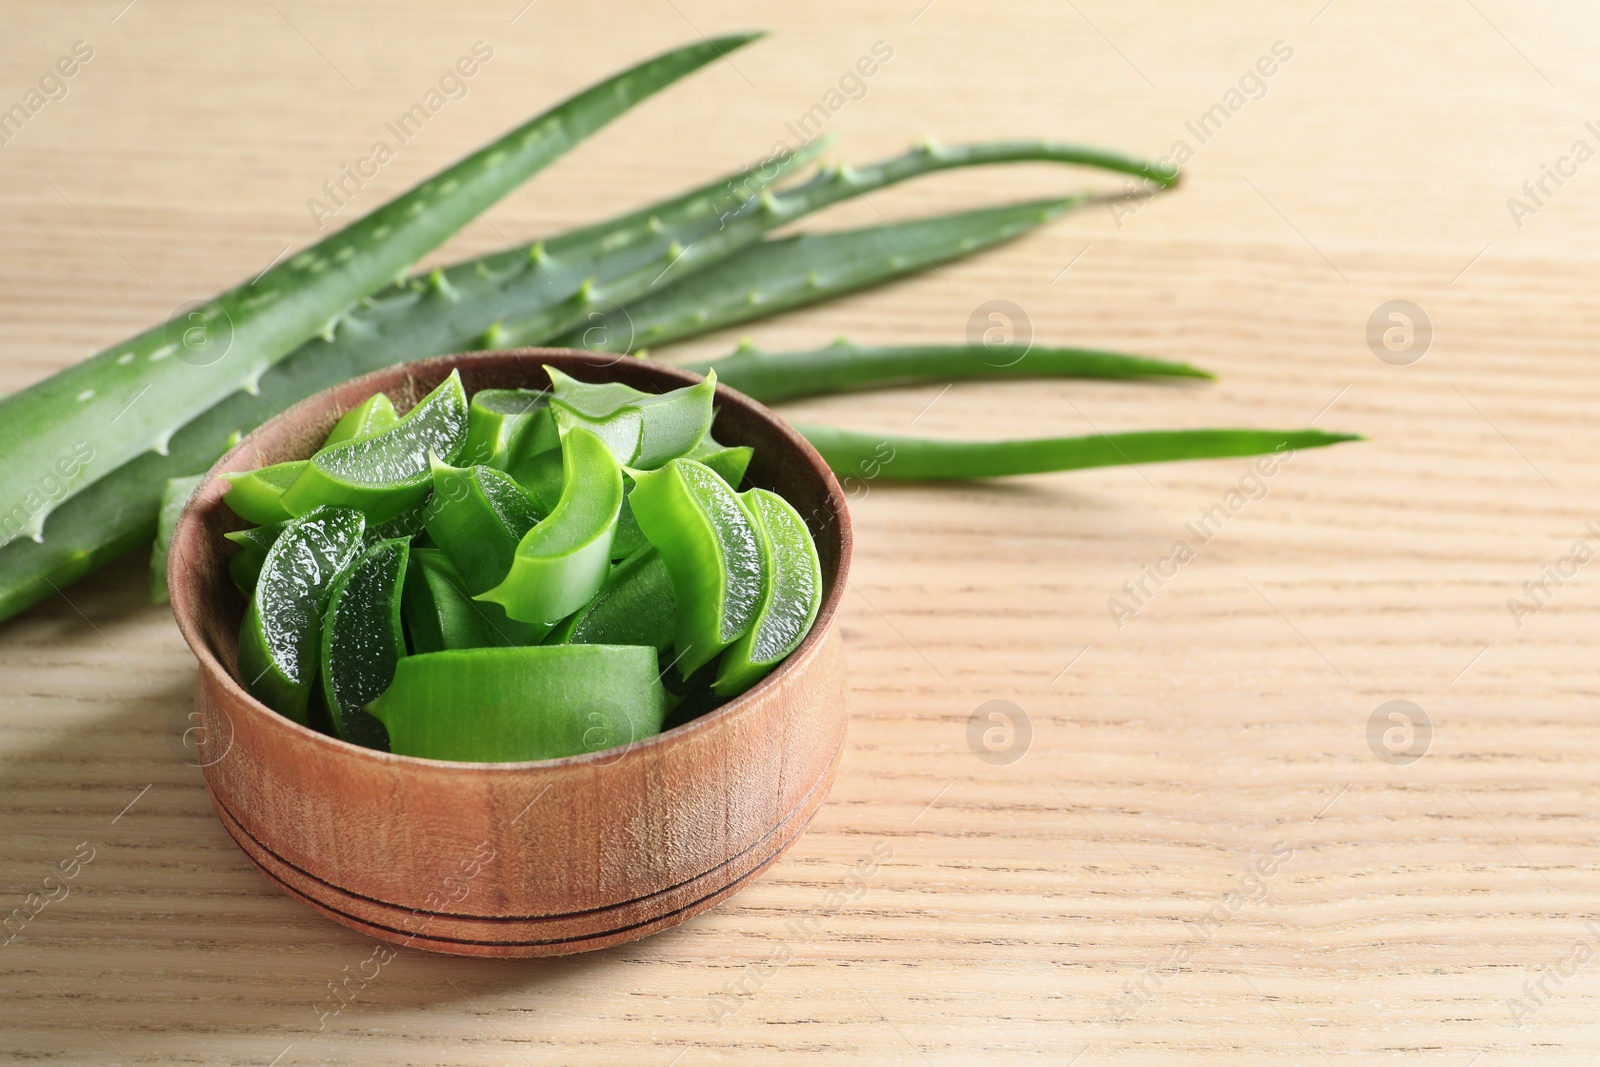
(387, 473)
(712, 553)
(791, 597)
(500, 418)
(478, 516)
(257, 496)
(505, 704)
(643, 430)
(254, 544)
(439, 613)
(374, 413)
(562, 562)
(362, 640)
(282, 632)
(635, 607)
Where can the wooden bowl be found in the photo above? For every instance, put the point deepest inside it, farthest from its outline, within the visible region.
(517, 859)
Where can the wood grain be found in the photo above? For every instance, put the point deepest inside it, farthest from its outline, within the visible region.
(1008, 909)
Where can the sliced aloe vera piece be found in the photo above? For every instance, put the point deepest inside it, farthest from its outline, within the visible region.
(173, 498)
(439, 613)
(254, 544)
(386, 473)
(643, 430)
(791, 597)
(478, 515)
(282, 631)
(499, 419)
(362, 640)
(540, 702)
(635, 607)
(711, 550)
(729, 461)
(257, 496)
(562, 562)
(374, 413)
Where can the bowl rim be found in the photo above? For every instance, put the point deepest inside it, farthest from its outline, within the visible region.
(182, 581)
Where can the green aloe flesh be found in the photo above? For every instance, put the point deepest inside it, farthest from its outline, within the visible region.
(439, 613)
(413, 319)
(498, 420)
(791, 272)
(362, 640)
(730, 462)
(773, 377)
(478, 516)
(534, 703)
(711, 551)
(636, 606)
(563, 560)
(386, 473)
(257, 496)
(374, 413)
(244, 567)
(282, 631)
(642, 429)
(134, 396)
(173, 499)
(924, 459)
(791, 597)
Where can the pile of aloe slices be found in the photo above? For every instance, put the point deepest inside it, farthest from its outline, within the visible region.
(532, 575)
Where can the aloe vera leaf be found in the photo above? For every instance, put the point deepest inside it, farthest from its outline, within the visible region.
(729, 461)
(772, 377)
(388, 473)
(411, 320)
(504, 704)
(254, 544)
(362, 640)
(563, 561)
(257, 496)
(790, 600)
(173, 499)
(642, 429)
(497, 418)
(710, 546)
(791, 272)
(634, 607)
(759, 216)
(925, 459)
(282, 629)
(374, 413)
(478, 516)
(132, 397)
(439, 613)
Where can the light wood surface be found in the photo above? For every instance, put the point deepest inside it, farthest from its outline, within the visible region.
(999, 913)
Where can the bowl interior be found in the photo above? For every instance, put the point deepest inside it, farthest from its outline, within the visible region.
(210, 609)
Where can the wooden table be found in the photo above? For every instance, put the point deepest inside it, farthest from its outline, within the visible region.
(1205, 853)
